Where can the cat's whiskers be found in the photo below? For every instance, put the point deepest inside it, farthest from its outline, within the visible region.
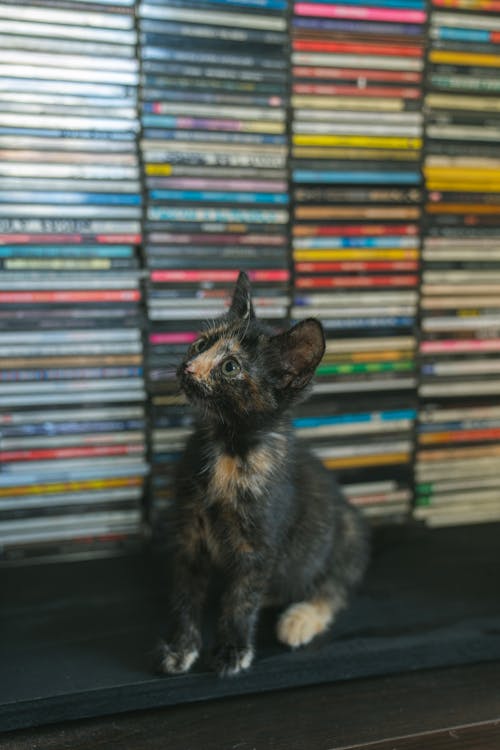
(206, 467)
(277, 435)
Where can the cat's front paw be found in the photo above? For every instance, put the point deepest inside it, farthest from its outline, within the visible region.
(230, 659)
(177, 658)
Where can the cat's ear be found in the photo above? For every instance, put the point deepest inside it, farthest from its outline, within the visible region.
(295, 354)
(241, 304)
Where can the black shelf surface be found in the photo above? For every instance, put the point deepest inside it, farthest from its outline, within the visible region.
(77, 639)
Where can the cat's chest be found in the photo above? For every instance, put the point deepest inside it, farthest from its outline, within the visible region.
(233, 495)
(224, 534)
(232, 477)
(231, 504)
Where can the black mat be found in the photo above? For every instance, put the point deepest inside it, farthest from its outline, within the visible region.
(76, 638)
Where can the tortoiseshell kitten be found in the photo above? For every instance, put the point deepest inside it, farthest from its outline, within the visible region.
(251, 500)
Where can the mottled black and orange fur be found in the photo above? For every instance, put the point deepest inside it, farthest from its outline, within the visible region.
(251, 500)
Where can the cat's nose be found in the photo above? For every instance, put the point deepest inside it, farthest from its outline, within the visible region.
(188, 367)
(184, 369)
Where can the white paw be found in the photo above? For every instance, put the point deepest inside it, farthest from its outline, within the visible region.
(177, 661)
(230, 660)
(301, 622)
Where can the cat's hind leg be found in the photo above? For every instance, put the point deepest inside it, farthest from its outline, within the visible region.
(303, 621)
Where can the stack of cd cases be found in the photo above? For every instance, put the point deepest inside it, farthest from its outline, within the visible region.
(357, 71)
(72, 422)
(284, 140)
(214, 147)
(459, 429)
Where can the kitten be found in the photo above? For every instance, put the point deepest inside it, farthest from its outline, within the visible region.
(251, 501)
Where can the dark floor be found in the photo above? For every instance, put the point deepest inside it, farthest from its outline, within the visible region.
(77, 640)
(446, 709)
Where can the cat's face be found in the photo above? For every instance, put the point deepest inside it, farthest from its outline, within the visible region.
(238, 369)
(224, 371)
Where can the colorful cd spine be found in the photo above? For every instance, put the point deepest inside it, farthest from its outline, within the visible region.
(457, 437)
(72, 388)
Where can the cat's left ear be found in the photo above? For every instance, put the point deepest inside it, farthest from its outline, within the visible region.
(295, 354)
(241, 305)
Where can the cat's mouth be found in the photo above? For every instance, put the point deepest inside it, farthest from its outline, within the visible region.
(193, 389)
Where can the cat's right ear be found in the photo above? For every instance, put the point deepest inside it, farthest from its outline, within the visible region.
(294, 355)
(241, 304)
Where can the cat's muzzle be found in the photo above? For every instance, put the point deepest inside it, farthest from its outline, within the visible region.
(188, 384)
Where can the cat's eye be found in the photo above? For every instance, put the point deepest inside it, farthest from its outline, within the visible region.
(230, 368)
(199, 345)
